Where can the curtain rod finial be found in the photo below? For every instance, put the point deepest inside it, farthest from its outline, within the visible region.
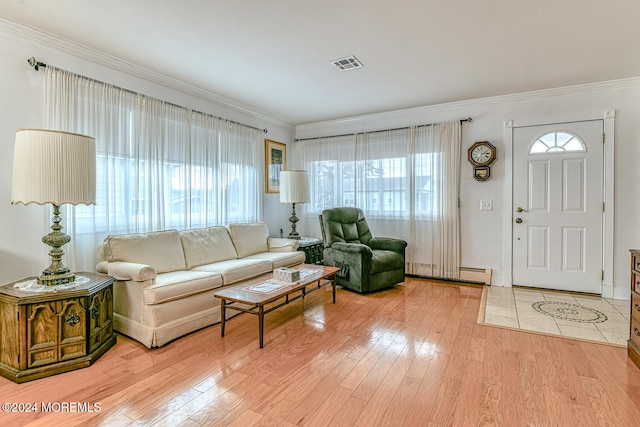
(35, 63)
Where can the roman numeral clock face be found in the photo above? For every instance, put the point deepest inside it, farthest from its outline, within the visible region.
(481, 155)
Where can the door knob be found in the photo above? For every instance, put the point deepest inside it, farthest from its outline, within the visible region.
(518, 220)
(519, 209)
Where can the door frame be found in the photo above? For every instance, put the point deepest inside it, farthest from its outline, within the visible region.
(608, 118)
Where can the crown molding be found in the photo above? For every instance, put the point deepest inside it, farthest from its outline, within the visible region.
(439, 108)
(101, 58)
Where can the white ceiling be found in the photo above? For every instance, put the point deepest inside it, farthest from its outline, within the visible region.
(274, 56)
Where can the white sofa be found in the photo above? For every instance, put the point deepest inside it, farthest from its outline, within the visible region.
(165, 280)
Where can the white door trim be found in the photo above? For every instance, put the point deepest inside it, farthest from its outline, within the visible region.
(608, 185)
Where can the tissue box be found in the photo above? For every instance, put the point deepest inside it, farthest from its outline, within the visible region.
(286, 274)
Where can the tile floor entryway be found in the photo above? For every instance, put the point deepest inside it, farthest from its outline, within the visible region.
(559, 313)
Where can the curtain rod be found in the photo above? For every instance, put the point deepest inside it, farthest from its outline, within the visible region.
(37, 65)
(468, 120)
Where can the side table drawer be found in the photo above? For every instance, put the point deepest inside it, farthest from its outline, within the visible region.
(635, 305)
(55, 331)
(633, 345)
(635, 262)
(100, 318)
(635, 332)
(635, 281)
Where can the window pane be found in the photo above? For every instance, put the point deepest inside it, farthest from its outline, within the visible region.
(574, 145)
(426, 183)
(557, 142)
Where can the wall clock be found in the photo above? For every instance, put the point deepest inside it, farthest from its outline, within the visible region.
(481, 155)
(482, 173)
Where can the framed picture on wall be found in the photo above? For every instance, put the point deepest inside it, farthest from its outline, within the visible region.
(276, 161)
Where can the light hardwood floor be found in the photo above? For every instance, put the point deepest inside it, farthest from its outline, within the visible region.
(410, 356)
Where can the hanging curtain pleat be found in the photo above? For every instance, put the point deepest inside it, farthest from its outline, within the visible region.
(159, 165)
(405, 180)
(437, 177)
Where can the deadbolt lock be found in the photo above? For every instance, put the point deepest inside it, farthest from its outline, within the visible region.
(518, 220)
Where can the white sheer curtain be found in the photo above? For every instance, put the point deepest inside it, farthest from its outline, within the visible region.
(436, 226)
(405, 180)
(159, 165)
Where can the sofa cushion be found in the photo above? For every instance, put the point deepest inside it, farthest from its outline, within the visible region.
(160, 249)
(207, 245)
(180, 284)
(235, 270)
(249, 239)
(280, 259)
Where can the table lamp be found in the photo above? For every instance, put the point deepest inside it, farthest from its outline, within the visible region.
(54, 167)
(294, 188)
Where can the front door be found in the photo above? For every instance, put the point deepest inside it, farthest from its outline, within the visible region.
(558, 206)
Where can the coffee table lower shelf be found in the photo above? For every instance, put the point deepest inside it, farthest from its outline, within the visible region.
(231, 298)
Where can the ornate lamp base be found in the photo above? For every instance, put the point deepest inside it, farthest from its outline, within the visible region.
(57, 273)
(56, 279)
(293, 219)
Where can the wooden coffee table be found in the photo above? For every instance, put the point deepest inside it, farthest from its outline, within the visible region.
(261, 292)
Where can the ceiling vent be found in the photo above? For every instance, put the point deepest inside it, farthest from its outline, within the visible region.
(348, 63)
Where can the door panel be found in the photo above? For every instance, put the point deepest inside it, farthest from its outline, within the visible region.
(573, 249)
(538, 249)
(557, 206)
(539, 194)
(573, 185)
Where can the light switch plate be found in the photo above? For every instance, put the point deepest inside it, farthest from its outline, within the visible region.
(486, 205)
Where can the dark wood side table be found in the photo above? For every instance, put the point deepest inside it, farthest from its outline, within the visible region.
(633, 344)
(47, 333)
(312, 249)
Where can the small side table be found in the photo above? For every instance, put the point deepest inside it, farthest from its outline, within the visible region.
(312, 248)
(47, 333)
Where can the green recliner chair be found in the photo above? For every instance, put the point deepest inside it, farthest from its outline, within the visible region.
(367, 263)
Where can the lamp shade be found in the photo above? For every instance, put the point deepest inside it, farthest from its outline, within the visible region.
(294, 186)
(53, 167)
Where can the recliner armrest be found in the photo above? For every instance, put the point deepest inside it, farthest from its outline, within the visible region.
(388, 243)
(357, 248)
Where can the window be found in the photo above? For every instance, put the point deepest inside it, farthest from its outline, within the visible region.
(557, 142)
(158, 165)
(427, 182)
(382, 186)
(405, 180)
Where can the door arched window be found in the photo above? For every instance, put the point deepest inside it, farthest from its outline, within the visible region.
(557, 142)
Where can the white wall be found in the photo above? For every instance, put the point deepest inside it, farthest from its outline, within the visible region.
(483, 232)
(22, 253)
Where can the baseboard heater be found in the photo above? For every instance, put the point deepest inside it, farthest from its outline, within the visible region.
(476, 275)
(480, 276)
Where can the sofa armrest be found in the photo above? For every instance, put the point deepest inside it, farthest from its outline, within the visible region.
(127, 271)
(388, 243)
(277, 244)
